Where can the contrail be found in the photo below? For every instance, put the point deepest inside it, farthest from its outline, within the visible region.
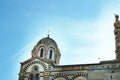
(26, 47)
(19, 52)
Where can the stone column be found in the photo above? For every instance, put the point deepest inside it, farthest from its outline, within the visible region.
(117, 36)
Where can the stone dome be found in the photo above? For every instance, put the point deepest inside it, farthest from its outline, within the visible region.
(46, 49)
(48, 41)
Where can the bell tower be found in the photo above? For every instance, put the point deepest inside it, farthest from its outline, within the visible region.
(117, 36)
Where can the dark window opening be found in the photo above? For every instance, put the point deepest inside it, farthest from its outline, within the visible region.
(107, 66)
(37, 77)
(50, 54)
(31, 76)
(41, 52)
(35, 68)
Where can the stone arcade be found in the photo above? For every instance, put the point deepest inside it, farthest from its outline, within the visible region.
(44, 63)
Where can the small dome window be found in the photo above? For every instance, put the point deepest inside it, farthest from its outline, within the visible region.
(50, 54)
(41, 52)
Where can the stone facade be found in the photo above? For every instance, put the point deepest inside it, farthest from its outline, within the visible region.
(44, 63)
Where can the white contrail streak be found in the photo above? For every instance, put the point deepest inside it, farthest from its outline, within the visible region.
(19, 52)
(26, 47)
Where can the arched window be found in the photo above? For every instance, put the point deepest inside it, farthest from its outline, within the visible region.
(41, 52)
(37, 77)
(50, 54)
(31, 76)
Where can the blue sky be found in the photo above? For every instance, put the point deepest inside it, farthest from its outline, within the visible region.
(83, 30)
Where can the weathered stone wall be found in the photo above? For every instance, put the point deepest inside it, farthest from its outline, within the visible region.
(109, 71)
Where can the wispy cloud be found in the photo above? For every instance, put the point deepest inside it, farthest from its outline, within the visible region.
(97, 36)
(82, 41)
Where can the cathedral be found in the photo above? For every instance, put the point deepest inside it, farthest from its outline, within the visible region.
(45, 58)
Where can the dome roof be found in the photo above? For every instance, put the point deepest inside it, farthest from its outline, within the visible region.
(47, 41)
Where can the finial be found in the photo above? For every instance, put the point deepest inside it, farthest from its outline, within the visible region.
(48, 33)
(116, 17)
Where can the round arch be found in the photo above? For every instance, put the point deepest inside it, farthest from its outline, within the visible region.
(31, 63)
(41, 51)
(60, 76)
(80, 76)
